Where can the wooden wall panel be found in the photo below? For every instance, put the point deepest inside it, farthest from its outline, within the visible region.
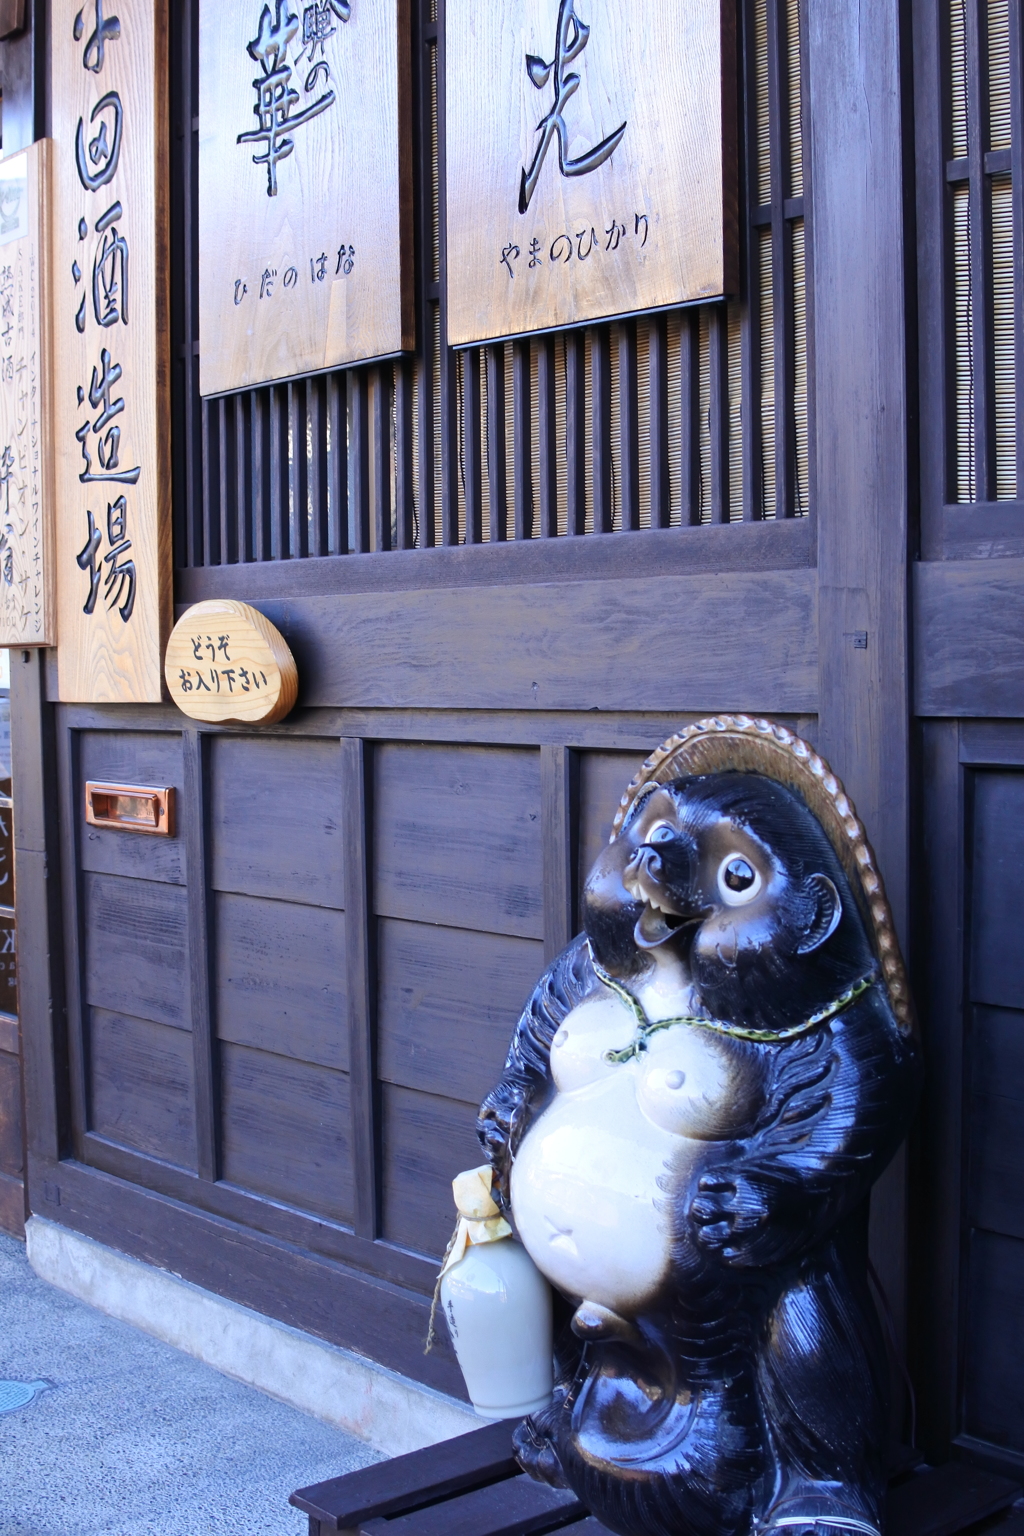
(991, 1284)
(996, 1190)
(610, 645)
(994, 1366)
(140, 1086)
(457, 837)
(275, 819)
(969, 637)
(10, 1116)
(135, 949)
(603, 778)
(133, 757)
(427, 1141)
(285, 1130)
(997, 956)
(280, 980)
(448, 1002)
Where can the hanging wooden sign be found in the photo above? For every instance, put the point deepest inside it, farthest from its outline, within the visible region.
(27, 608)
(305, 191)
(591, 161)
(226, 664)
(110, 344)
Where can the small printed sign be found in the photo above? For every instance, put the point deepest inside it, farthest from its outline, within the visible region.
(591, 157)
(228, 665)
(27, 610)
(304, 187)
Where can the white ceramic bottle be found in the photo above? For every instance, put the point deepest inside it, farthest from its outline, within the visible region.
(498, 1307)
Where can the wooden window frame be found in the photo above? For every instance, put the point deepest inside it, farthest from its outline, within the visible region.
(950, 529)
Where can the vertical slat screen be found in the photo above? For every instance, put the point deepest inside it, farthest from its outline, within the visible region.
(735, 405)
(800, 402)
(767, 380)
(776, 337)
(964, 345)
(700, 415)
(1003, 351)
(704, 394)
(983, 182)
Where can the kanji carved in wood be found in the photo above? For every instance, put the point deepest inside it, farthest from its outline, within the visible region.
(590, 161)
(697, 1100)
(110, 348)
(305, 192)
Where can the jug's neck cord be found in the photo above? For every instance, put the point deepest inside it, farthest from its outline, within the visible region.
(646, 1028)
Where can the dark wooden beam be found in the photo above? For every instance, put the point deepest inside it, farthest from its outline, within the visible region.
(359, 986)
(558, 789)
(200, 954)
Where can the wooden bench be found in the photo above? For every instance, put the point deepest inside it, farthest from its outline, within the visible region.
(473, 1486)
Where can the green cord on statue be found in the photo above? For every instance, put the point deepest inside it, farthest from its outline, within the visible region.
(646, 1028)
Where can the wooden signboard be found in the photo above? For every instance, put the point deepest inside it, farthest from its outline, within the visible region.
(305, 191)
(27, 608)
(110, 348)
(591, 160)
(228, 665)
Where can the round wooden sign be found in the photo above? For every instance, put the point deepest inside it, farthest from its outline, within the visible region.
(226, 664)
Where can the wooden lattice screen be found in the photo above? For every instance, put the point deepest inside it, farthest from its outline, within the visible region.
(695, 416)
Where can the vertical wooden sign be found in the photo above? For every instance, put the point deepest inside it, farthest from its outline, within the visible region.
(305, 187)
(27, 609)
(591, 160)
(110, 345)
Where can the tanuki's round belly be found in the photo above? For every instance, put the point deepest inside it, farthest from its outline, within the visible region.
(591, 1194)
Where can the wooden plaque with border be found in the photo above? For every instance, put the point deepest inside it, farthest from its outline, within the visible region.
(27, 608)
(110, 346)
(591, 161)
(305, 188)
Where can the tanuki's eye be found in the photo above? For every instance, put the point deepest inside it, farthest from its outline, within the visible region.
(738, 881)
(662, 833)
(738, 875)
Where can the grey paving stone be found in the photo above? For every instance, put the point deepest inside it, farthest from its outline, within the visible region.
(131, 1436)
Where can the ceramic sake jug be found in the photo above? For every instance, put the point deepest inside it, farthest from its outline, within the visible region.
(498, 1307)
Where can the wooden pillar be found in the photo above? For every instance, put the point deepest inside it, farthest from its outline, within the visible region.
(37, 895)
(856, 280)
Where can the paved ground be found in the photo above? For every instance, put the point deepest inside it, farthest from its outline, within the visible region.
(133, 1437)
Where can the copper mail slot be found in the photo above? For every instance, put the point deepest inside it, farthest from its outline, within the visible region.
(130, 808)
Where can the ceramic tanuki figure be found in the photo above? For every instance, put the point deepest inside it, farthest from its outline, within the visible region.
(697, 1100)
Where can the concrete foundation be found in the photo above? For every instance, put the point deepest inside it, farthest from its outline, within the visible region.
(389, 1411)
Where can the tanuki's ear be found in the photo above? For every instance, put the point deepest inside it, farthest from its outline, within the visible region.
(828, 910)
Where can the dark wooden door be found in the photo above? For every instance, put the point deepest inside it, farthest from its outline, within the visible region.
(506, 575)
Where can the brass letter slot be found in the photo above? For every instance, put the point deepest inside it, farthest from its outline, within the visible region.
(130, 808)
